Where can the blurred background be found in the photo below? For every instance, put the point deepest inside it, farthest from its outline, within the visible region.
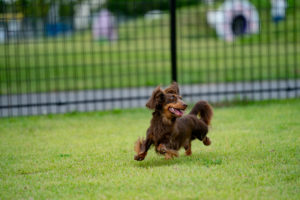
(61, 56)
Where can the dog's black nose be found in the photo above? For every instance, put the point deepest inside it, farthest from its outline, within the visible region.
(185, 105)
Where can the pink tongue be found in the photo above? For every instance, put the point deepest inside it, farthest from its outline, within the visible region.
(178, 112)
(175, 111)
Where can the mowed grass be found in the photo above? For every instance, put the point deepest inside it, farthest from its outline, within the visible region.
(141, 55)
(255, 154)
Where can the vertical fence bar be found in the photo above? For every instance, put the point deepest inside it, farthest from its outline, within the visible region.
(261, 97)
(136, 60)
(83, 77)
(286, 60)
(17, 64)
(295, 39)
(252, 56)
(173, 39)
(207, 62)
(269, 55)
(189, 62)
(277, 59)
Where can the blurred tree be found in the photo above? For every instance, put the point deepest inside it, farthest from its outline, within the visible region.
(2, 6)
(140, 7)
(38, 8)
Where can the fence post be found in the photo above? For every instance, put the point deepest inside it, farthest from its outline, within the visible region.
(173, 39)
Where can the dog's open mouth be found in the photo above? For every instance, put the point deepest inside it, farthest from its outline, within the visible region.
(176, 111)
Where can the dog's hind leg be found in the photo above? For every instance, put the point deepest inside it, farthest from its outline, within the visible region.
(200, 132)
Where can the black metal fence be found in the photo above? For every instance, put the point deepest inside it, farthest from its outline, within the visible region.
(92, 55)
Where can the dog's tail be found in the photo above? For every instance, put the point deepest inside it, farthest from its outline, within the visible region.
(203, 109)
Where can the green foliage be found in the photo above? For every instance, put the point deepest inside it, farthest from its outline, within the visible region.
(2, 6)
(67, 9)
(261, 3)
(140, 7)
(38, 8)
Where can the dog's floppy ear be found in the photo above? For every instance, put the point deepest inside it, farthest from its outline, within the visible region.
(172, 89)
(156, 98)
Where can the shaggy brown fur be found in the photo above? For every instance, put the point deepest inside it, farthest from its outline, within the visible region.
(169, 129)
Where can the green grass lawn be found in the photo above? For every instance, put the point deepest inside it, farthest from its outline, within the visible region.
(255, 154)
(141, 55)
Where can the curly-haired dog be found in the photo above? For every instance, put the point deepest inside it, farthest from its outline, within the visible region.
(169, 129)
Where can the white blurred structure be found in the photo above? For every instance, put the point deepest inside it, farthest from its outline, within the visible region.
(2, 35)
(83, 13)
(278, 10)
(53, 14)
(82, 16)
(153, 14)
(104, 26)
(234, 18)
(209, 2)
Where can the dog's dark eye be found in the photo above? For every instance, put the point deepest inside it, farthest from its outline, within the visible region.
(173, 98)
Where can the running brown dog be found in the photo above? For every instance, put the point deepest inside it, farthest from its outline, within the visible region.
(169, 130)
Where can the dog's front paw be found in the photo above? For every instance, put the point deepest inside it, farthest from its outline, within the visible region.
(188, 152)
(206, 141)
(161, 148)
(139, 157)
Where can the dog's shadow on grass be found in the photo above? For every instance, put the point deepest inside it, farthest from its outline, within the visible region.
(202, 158)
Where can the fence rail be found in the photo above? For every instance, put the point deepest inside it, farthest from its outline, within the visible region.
(99, 57)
